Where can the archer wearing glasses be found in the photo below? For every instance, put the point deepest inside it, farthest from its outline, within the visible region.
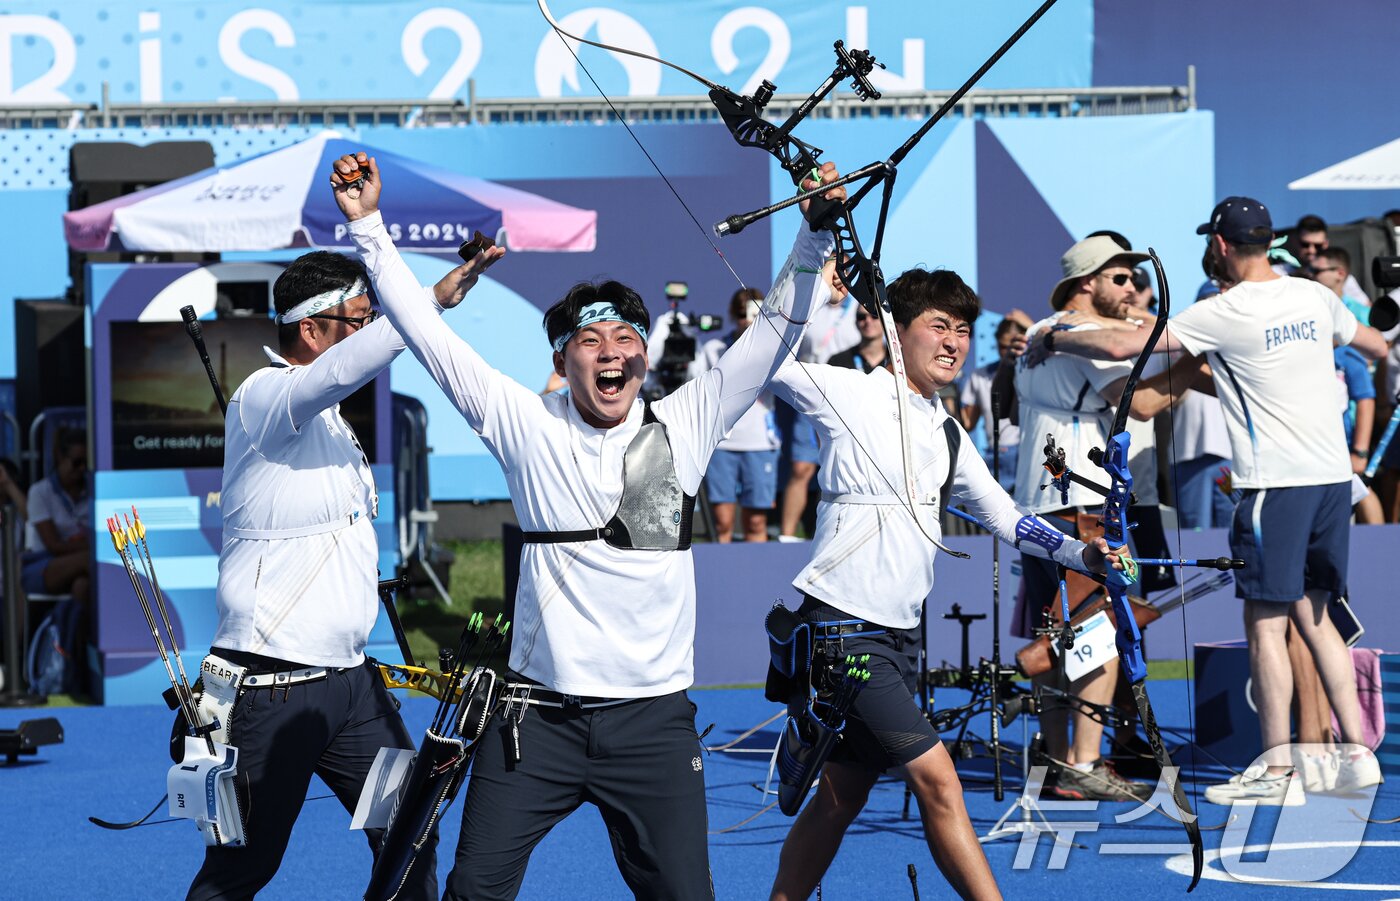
(355, 322)
(297, 577)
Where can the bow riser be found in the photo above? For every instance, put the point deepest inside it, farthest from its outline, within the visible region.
(1128, 638)
(743, 116)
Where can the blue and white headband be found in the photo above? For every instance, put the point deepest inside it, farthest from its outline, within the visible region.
(594, 313)
(322, 302)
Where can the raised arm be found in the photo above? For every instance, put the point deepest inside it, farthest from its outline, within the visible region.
(717, 399)
(743, 371)
(341, 370)
(457, 368)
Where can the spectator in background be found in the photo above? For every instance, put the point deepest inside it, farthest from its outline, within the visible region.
(1358, 402)
(56, 547)
(1145, 299)
(1272, 337)
(1332, 267)
(977, 400)
(832, 329)
(870, 353)
(744, 468)
(57, 550)
(1201, 438)
(1307, 241)
(1071, 399)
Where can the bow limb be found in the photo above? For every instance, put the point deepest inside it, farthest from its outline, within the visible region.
(1129, 637)
(559, 29)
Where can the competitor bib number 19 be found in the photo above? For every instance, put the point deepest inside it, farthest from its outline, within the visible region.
(1093, 646)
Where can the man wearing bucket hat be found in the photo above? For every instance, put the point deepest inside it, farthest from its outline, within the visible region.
(1270, 341)
(1070, 399)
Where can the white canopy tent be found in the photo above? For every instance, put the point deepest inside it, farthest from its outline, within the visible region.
(1376, 169)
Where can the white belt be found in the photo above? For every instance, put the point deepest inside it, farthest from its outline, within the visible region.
(287, 678)
(319, 528)
(891, 500)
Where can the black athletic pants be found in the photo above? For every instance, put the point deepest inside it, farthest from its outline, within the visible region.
(333, 728)
(640, 763)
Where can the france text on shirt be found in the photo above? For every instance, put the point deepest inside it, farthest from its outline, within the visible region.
(1302, 330)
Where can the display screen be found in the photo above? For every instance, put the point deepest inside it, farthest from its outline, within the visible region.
(164, 414)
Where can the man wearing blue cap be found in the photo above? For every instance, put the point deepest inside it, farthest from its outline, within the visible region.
(1269, 342)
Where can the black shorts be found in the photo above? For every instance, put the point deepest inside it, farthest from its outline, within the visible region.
(885, 727)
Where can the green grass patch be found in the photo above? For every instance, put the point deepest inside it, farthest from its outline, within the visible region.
(63, 701)
(477, 584)
(1171, 669)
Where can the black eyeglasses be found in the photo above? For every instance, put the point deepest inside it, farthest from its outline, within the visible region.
(1120, 279)
(358, 322)
(1315, 245)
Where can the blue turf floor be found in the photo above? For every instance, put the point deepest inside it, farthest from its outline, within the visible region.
(113, 765)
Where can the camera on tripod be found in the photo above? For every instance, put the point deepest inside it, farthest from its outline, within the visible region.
(679, 351)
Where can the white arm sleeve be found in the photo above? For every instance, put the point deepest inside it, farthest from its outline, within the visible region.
(990, 504)
(467, 380)
(340, 371)
(709, 406)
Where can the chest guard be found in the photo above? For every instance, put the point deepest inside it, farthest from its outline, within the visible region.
(654, 514)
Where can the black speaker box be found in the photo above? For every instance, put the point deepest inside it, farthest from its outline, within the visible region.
(103, 171)
(50, 363)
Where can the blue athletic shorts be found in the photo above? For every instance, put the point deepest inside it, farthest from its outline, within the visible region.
(1292, 540)
(748, 477)
(802, 441)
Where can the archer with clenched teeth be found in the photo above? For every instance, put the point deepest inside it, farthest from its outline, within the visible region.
(603, 484)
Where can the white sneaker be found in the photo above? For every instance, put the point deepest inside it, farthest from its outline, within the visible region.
(1257, 785)
(1358, 769)
(1318, 771)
